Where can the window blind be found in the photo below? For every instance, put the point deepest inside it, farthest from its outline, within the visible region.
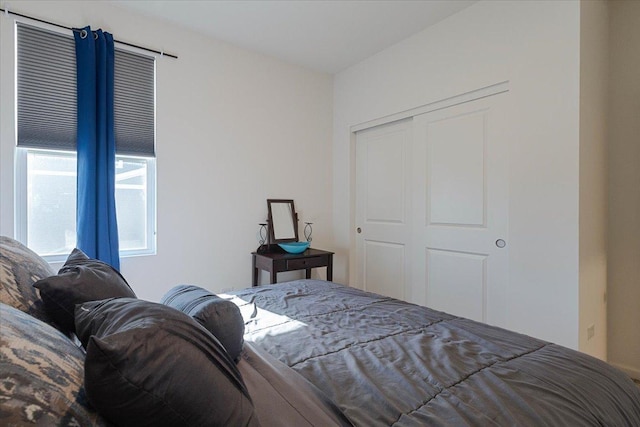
(46, 68)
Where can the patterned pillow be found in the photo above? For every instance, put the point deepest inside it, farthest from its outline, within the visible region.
(41, 375)
(20, 267)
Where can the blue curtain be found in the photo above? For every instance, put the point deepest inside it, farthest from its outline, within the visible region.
(97, 228)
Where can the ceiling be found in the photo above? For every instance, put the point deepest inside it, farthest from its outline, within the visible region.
(323, 35)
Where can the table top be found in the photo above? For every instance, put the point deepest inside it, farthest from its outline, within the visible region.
(281, 254)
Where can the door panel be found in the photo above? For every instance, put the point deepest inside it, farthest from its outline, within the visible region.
(384, 268)
(455, 158)
(456, 283)
(385, 178)
(460, 207)
(383, 209)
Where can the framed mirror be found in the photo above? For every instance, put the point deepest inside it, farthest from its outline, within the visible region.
(283, 221)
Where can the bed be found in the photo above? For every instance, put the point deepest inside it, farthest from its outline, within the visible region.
(385, 362)
(303, 353)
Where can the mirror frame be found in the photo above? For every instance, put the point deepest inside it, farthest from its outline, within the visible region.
(294, 220)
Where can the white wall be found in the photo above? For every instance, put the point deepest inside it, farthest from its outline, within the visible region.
(535, 46)
(233, 129)
(624, 187)
(594, 82)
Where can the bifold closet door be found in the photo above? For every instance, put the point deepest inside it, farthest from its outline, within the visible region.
(460, 209)
(383, 209)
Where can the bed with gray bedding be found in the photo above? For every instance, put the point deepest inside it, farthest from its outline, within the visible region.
(386, 362)
(306, 353)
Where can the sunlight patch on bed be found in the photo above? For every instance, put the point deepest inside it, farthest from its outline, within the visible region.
(260, 323)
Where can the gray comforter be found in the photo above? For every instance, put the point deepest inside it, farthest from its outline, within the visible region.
(387, 362)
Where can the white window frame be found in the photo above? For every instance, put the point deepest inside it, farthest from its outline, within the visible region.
(21, 203)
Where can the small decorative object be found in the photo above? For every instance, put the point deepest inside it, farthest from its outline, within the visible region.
(263, 233)
(294, 247)
(307, 231)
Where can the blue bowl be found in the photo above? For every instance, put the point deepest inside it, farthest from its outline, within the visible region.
(294, 247)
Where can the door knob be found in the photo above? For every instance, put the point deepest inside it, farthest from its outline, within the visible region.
(501, 243)
(359, 230)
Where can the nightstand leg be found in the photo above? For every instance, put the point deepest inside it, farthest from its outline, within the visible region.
(308, 273)
(256, 272)
(274, 276)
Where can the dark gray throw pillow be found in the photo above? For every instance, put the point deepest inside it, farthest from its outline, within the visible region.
(221, 317)
(80, 279)
(151, 365)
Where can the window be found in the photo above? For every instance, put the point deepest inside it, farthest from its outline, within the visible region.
(46, 158)
(51, 201)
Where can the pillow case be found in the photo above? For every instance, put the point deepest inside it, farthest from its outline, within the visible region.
(41, 375)
(20, 267)
(149, 364)
(80, 279)
(219, 316)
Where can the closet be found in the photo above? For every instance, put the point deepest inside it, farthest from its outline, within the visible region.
(432, 208)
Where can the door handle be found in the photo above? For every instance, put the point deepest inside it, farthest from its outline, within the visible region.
(359, 230)
(501, 243)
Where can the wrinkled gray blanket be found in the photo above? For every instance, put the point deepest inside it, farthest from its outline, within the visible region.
(387, 362)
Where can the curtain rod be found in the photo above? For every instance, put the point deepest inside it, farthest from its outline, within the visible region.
(161, 53)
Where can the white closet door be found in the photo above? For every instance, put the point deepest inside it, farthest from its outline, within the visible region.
(383, 209)
(460, 218)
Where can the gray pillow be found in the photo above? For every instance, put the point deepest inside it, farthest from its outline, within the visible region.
(151, 365)
(221, 317)
(80, 279)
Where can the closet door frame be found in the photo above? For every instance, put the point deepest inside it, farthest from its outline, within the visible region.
(355, 272)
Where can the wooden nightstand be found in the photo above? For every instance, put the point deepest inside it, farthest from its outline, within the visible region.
(276, 262)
